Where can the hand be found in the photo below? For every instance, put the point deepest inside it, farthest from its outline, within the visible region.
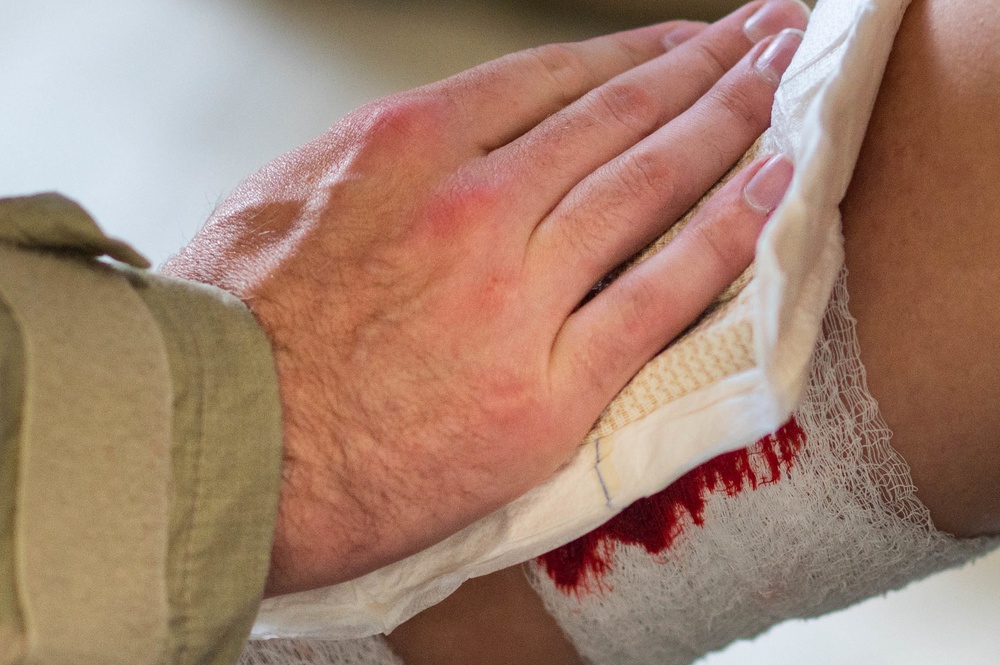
(419, 271)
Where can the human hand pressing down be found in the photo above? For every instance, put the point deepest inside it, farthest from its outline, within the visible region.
(419, 270)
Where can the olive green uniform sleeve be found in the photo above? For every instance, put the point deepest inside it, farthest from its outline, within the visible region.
(141, 449)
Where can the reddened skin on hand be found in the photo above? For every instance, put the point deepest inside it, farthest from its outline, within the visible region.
(420, 267)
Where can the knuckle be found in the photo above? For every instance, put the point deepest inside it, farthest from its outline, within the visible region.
(564, 66)
(463, 201)
(588, 369)
(721, 248)
(633, 51)
(629, 105)
(712, 61)
(478, 192)
(587, 240)
(404, 119)
(637, 303)
(642, 173)
(745, 103)
(512, 399)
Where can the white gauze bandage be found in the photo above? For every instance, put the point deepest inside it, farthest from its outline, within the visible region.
(841, 524)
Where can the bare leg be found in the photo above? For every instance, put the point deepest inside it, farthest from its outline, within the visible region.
(493, 620)
(922, 225)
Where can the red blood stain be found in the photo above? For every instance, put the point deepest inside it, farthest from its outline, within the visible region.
(654, 522)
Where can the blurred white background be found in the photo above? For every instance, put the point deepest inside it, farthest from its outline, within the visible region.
(149, 111)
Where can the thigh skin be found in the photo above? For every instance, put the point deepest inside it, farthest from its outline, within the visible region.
(922, 233)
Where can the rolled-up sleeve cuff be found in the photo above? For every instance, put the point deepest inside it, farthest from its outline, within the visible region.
(150, 449)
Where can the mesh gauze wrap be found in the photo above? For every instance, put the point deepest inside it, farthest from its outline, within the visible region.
(365, 651)
(842, 526)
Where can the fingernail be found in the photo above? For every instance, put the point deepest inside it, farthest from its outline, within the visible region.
(770, 19)
(773, 62)
(681, 34)
(768, 186)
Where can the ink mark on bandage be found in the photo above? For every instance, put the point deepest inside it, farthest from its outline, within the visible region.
(656, 521)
